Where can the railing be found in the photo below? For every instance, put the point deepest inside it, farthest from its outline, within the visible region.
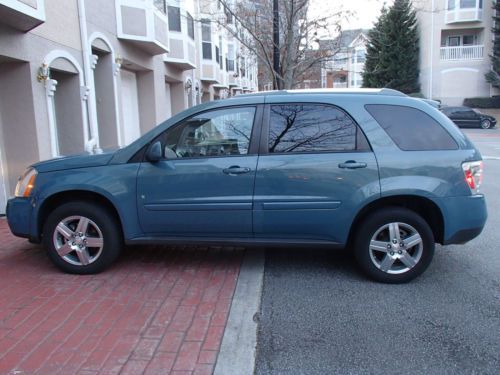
(462, 53)
(339, 85)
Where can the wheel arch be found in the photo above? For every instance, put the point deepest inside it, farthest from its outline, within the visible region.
(425, 207)
(57, 199)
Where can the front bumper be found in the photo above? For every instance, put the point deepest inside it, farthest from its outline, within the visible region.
(465, 218)
(19, 217)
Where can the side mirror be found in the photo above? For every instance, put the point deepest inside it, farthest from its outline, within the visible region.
(154, 153)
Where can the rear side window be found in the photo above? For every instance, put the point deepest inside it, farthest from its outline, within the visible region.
(411, 129)
(312, 128)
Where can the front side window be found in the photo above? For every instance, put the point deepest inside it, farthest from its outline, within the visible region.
(174, 18)
(311, 128)
(220, 132)
(411, 129)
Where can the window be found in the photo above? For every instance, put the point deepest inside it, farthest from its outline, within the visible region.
(221, 62)
(451, 4)
(217, 54)
(467, 4)
(468, 40)
(243, 67)
(230, 58)
(453, 41)
(206, 39)
(312, 128)
(217, 133)
(360, 56)
(161, 5)
(411, 129)
(174, 18)
(190, 25)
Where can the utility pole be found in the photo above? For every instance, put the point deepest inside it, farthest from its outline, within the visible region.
(276, 45)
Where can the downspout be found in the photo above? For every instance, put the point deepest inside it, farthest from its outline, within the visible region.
(92, 143)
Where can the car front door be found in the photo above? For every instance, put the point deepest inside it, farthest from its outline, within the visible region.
(315, 169)
(203, 185)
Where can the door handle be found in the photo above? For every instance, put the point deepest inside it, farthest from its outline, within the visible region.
(235, 170)
(352, 164)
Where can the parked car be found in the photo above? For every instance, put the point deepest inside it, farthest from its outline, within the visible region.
(466, 117)
(386, 175)
(433, 103)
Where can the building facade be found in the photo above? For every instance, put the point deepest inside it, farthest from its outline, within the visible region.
(345, 69)
(88, 75)
(455, 45)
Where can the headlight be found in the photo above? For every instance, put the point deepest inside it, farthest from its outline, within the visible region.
(26, 183)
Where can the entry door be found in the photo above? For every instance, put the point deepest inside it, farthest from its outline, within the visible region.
(204, 184)
(318, 170)
(130, 105)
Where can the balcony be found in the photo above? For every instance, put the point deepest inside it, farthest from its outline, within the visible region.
(339, 85)
(182, 52)
(210, 71)
(462, 53)
(142, 24)
(463, 11)
(22, 15)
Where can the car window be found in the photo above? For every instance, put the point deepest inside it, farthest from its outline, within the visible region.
(411, 129)
(312, 128)
(216, 133)
(468, 114)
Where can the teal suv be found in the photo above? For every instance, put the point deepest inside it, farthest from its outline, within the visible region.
(383, 174)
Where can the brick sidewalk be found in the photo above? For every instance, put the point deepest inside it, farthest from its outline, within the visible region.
(156, 311)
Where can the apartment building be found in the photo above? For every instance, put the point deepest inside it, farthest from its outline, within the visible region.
(345, 69)
(455, 45)
(89, 75)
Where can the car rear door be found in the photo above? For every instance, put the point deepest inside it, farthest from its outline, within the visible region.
(203, 185)
(315, 169)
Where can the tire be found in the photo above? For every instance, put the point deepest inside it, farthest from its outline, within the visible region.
(486, 124)
(82, 238)
(403, 261)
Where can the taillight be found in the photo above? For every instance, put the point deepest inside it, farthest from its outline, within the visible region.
(473, 171)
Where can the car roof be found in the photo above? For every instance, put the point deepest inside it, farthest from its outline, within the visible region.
(383, 91)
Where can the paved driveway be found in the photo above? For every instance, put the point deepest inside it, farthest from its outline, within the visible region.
(158, 311)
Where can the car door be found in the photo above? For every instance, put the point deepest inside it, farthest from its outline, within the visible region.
(203, 185)
(315, 170)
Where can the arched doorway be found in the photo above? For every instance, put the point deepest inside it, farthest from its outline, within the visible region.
(67, 113)
(104, 80)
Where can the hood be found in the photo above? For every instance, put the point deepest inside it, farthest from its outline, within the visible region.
(74, 161)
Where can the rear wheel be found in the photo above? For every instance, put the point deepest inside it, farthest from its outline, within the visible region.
(82, 238)
(394, 245)
(486, 124)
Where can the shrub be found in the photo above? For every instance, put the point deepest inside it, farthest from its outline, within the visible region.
(486, 102)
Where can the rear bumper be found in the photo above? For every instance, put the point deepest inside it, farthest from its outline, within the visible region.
(19, 214)
(465, 218)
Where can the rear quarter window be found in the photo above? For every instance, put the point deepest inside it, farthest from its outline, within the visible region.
(411, 129)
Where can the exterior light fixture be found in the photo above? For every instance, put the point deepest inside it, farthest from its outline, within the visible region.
(43, 73)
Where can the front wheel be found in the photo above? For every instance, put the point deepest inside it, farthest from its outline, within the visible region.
(486, 124)
(394, 245)
(82, 238)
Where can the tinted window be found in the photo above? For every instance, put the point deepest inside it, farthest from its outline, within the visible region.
(311, 128)
(216, 133)
(411, 129)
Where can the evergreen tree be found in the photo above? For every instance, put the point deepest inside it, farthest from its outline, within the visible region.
(393, 54)
(493, 76)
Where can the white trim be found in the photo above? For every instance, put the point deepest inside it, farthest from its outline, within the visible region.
(98, 35)
(460, 69)
(50, 86)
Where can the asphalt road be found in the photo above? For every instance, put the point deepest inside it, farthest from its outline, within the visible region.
(319, 315)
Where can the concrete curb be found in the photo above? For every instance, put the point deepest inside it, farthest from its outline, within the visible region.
(237, 353)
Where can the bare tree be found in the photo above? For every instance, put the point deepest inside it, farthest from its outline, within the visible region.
(251, 23)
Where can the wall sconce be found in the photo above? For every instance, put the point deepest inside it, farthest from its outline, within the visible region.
(118, 60)
(43, 73)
